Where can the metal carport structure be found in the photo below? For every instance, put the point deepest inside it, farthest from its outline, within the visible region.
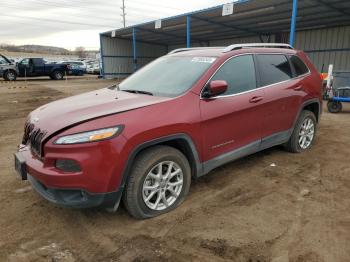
(320, 27)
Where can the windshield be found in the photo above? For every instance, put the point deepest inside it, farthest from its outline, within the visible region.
(168, 76)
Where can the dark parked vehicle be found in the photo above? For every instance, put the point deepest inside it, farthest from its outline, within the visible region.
(30, 67)
(340, 91)
(8, 69)
(175, 119)
(77, 68)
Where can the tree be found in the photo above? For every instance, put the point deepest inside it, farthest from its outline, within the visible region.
(80, 51)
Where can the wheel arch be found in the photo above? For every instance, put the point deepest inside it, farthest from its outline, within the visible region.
(314, 105)
(182, 142)
(9, 69)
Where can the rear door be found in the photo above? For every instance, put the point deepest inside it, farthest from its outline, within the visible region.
(233, 121)
(39, 66)
(281, 97)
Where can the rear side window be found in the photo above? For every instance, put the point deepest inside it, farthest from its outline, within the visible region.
(299, 66)
(273, 69)
(239, 73)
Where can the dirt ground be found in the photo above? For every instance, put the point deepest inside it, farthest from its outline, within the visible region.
(271, 206)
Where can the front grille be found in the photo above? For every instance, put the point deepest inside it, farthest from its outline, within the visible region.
(28, 128)
(33, 136)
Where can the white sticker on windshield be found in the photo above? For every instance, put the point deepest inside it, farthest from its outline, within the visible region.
(209, 60)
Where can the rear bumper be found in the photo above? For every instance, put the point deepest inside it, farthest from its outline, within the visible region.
(76, 198)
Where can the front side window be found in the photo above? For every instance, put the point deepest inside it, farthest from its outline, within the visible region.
(299, 66)
(239, 73)
(274, 68)
(168, 76)
(25, 61)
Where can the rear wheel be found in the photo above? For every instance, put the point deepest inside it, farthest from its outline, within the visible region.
(303, 134)
(10, 75)
(334, 106)
(57, 75)
(158, 183)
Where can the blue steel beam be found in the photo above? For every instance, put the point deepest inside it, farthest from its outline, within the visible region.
(188, 31)
(293, 23)
(169, 34)
(134, 51)
(225, 25)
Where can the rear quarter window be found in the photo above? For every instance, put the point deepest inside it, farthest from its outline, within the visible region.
(299, 66)
(273, 68)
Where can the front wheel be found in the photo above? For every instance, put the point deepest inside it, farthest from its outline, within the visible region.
(303, 134)
(10, 75)
(334, 106)
(57, 75)
(159, 181)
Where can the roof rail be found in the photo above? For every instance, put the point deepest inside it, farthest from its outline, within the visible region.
(193, 48)
(268, 45)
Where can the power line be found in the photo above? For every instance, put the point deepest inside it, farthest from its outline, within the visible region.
(72, 15)
(56, 21)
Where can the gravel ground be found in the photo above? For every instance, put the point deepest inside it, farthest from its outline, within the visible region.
(271, 206)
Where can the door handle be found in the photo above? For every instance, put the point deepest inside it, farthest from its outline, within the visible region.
(255, 99)
(298, 88)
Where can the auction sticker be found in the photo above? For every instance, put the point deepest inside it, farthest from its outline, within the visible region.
(209, 60)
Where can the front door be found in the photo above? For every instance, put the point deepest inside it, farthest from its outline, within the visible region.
(23, 67)
(232, 122)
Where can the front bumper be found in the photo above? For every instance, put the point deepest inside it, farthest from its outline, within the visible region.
(97, 183)
(76, 198)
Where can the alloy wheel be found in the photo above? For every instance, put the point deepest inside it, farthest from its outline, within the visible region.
(11, 76)
(162, 185)
(306, 133)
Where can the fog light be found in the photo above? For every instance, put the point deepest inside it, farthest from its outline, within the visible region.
(67, 165)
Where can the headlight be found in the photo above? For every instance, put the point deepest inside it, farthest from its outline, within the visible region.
(90, 136)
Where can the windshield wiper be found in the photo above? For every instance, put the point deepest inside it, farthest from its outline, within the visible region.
(115, 86)
(138, 92)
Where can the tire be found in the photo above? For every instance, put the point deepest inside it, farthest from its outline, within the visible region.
(143, 174)
(303, 136)
(334, 106)
(57, 75)
(10, 75)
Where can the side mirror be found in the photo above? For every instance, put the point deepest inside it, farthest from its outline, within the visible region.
(215, 88)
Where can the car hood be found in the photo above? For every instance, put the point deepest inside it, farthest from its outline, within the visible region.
(67, 112)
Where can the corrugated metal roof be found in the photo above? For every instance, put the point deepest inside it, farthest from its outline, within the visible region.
(250, 17)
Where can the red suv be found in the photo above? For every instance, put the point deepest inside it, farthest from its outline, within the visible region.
(177, 118)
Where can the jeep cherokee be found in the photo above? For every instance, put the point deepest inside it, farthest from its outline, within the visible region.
(177, 118)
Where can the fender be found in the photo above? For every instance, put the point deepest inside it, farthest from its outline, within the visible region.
(197, 165)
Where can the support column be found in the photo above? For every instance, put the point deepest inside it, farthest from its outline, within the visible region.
(134, 50)
(101, 57)
(188, 31)
(293, 23)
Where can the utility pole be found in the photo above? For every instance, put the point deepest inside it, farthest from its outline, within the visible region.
(123, 14)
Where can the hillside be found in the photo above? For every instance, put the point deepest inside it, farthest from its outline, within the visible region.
(35, 49)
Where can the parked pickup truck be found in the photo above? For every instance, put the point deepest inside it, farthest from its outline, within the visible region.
(8, 69)
(29, 67)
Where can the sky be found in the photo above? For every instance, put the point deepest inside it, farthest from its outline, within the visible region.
(72, 23)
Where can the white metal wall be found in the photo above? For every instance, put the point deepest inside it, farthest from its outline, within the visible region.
(326, 46)
(118, 55)
(222, 42)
